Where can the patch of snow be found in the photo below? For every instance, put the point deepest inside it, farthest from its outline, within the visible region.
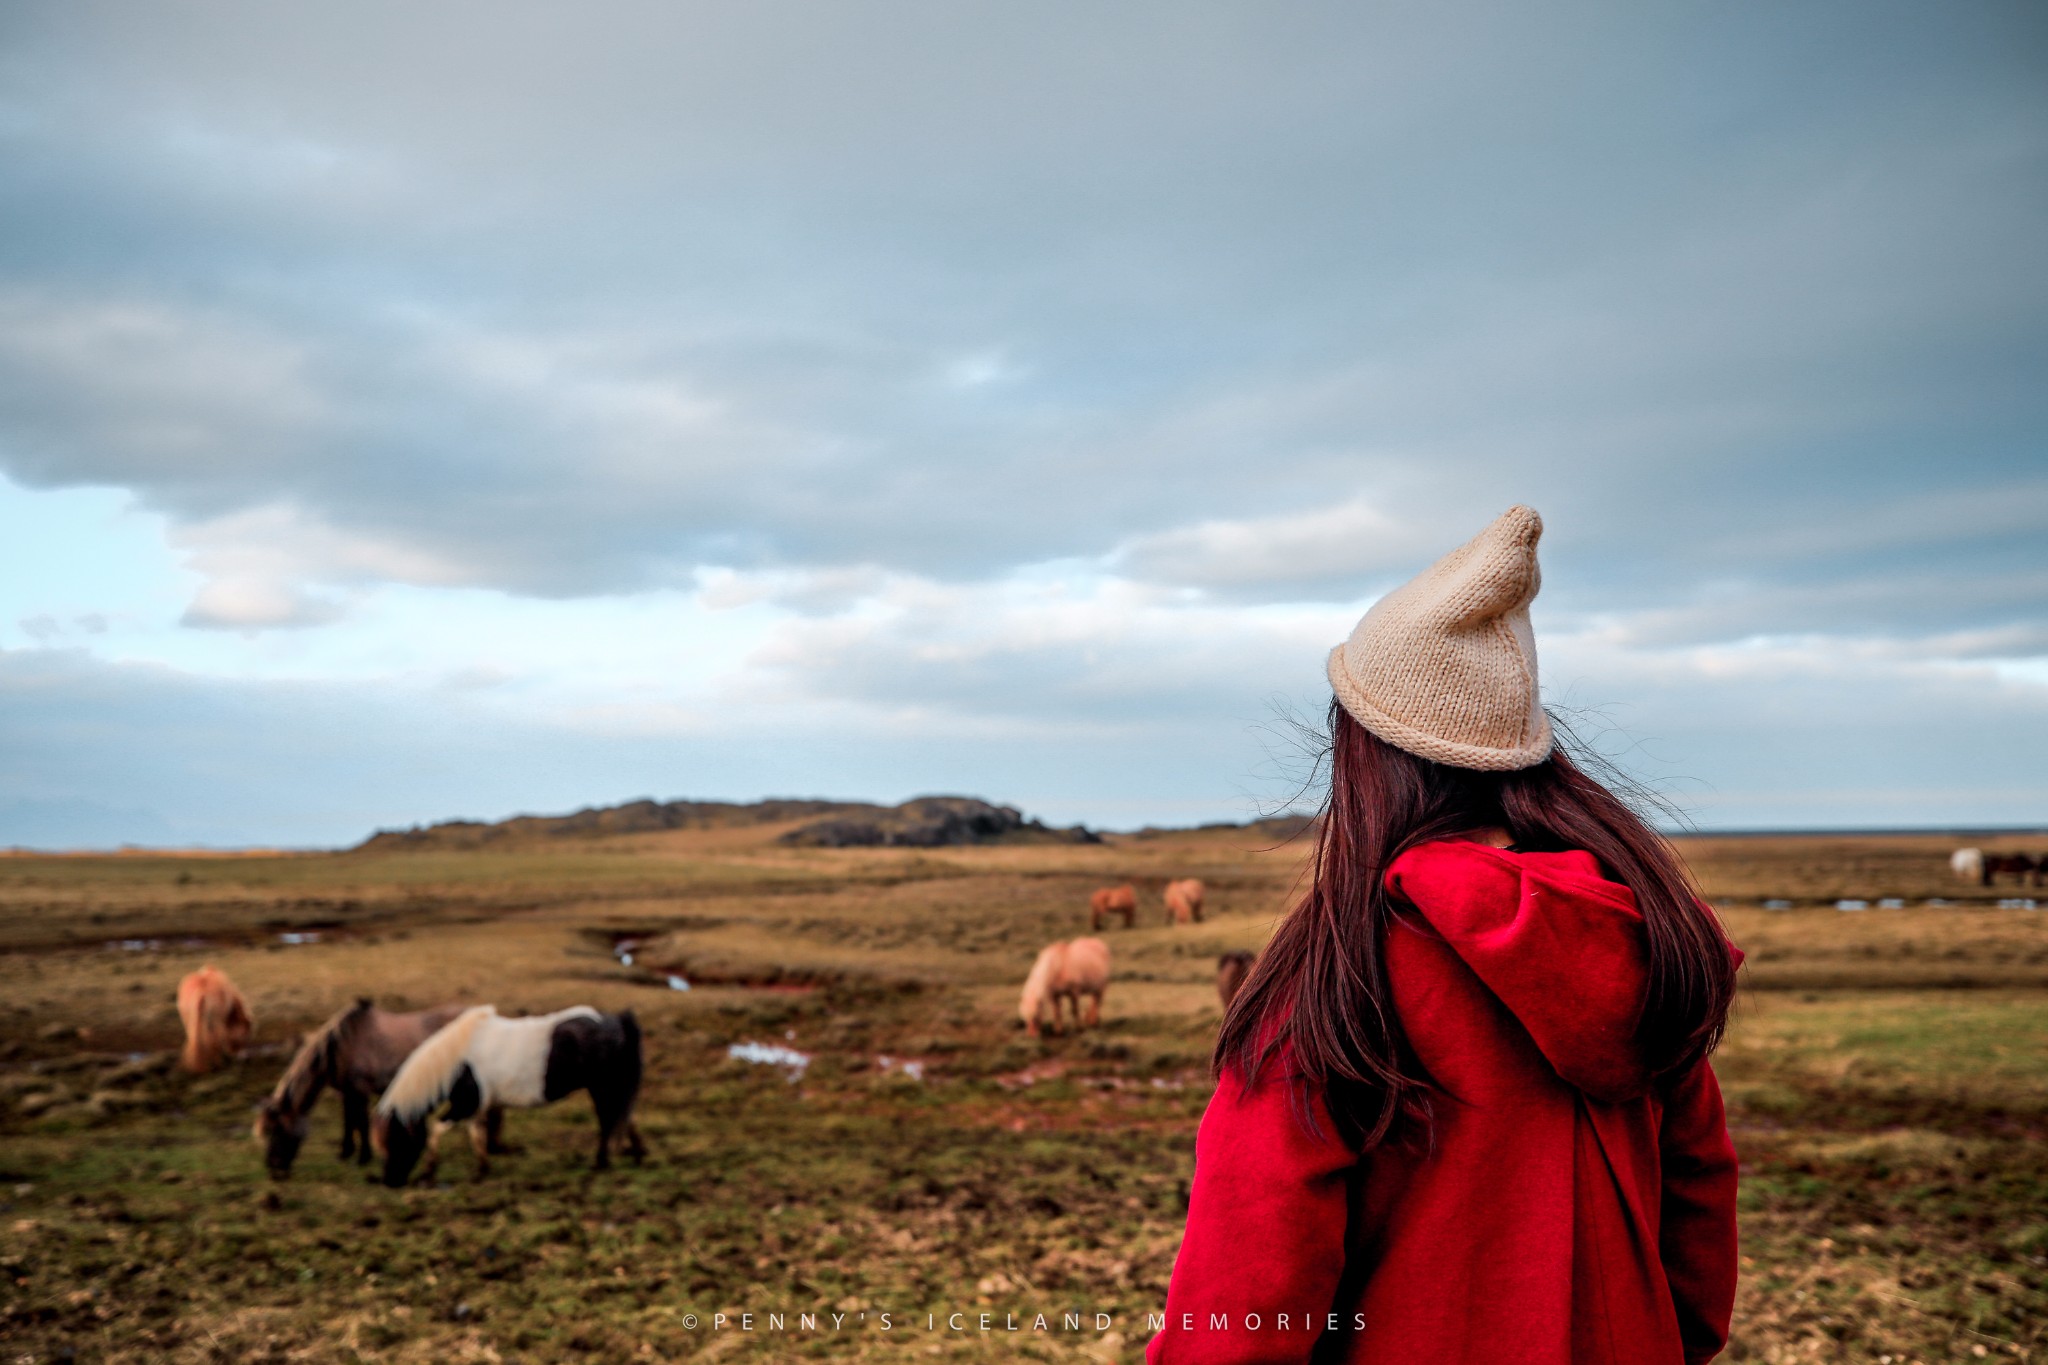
(772, 1054)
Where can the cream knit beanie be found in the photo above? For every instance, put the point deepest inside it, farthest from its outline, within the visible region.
(1444, 666)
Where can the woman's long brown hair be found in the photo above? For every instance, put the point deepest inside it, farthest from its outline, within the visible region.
(1321, 986)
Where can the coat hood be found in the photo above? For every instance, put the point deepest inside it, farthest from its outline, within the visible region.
(1559, 945)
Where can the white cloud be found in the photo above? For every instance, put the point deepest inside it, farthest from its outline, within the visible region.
(1348, 541)
(267, 567)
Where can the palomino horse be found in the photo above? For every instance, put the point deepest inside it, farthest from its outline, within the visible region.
(1113, 900)
(482, 1062)
(1231, 970)
(357, 1052)
(1184, 901)
(216, 1018)
(1065, 971)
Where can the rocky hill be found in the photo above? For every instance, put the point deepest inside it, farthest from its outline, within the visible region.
(926, 822)
(932, 822)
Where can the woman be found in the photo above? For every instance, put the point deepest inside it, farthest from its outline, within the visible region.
(1464, 1111)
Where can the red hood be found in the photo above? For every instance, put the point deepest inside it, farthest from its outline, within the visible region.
(1561, 946)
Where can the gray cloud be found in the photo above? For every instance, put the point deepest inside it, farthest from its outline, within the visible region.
(572, 307)
(884, 314)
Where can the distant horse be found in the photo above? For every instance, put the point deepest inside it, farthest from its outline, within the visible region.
(482, 1062)
(1231, 970)
(1065, 971)
(1113, 900)
(2024, 869)
(1184, 901)
(216, 1017)
(357, 1052)
(1968, 865)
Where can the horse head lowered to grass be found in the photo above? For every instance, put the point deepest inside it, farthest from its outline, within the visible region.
(217, 1020)
(1065, 971)
(357, 1051)
(482, 1063)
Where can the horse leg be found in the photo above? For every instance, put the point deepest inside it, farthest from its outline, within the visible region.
(432, 1162)
(636, 1147)
(1094, 1008)
(480, 1143)
(494, 1133)
(355, 1117)
(608, 1115)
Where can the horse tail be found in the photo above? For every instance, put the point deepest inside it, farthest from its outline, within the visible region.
(629, 1030)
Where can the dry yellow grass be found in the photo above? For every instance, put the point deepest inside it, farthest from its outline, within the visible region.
(1886, 1075)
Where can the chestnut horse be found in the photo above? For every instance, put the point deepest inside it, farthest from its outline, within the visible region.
(1231, 970)
(216, 1017)
(357, 1052)
(1113, 900)
(1184, 901)
(1065, 971)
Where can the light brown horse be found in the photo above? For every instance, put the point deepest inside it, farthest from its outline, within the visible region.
(1113, 900)
(1065, 971)
(216, 1017)
(1184, 901)
(357, 1052)
(1231, 970)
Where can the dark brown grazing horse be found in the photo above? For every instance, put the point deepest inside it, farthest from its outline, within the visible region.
(2025, 870)
(1231, 970)
(357, 1052)
(1113, 900)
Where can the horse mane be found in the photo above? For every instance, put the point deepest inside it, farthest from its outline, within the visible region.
(1038, 985)
(314, 1061)
(429, 1073)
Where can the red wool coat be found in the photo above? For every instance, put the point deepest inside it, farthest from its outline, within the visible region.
(1569, 1212)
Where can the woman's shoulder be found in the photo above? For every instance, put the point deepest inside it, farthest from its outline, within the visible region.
(1463, 866)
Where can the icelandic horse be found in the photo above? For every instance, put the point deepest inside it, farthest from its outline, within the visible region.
(357, 1051)
(482, 1063)
(1065, 971)
(1231, 970)
(1113, 900)
(1184, 901)
(216, 1018)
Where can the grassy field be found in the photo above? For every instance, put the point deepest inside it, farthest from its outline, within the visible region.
(1887, 1075)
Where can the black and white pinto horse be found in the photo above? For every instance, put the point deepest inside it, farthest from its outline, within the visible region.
(481, 1064)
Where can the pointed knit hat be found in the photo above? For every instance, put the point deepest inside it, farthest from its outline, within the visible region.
(1444, 666)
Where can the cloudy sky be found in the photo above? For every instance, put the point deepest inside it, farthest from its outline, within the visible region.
(420, 411)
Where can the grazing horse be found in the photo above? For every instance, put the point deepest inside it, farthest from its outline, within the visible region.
(1967, 864)
(1184, 901)
(2023, 868)
(1231, 970)
(216, 1018)
(1065, 971)
(482, 1062)
(1113, 900)
(357, 1052)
